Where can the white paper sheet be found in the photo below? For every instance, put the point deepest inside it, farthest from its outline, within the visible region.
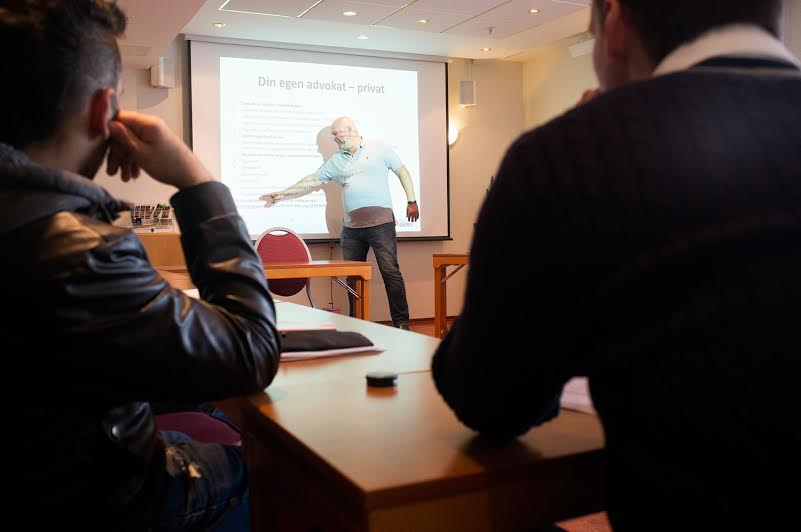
(576, 396)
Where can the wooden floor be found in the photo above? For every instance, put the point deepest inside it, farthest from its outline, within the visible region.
(589, 523)
(425, 326)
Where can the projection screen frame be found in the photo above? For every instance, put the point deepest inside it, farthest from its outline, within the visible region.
(189, 124)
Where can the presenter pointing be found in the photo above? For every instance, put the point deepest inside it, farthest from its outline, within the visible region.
(361, 168)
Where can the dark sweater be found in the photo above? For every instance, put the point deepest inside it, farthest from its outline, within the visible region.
(655, 236)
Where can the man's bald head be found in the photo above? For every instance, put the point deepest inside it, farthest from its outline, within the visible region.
(343, 122)
(345, 133)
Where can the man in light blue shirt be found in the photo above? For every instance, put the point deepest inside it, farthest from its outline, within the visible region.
(361, 169)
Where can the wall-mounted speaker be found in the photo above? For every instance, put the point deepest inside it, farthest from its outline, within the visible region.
(467, 92)
(162, 74)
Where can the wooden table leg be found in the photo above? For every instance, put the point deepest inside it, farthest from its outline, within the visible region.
(358, 302)
(440, 302)
(362, 303)
(365, 300)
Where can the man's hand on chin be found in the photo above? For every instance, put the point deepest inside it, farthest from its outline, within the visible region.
(142, 141)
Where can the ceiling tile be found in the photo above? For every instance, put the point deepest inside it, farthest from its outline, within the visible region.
(366, 13)
(463, 7)
(286, 8)
(438, 21)
(514, 17)
(392, 3)
(576, 2)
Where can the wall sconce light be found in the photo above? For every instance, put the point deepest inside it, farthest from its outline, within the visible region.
(453, 134)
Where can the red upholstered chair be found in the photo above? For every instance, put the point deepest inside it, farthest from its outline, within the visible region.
(200, 427)
(279, 244)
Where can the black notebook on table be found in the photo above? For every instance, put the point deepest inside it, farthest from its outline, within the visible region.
(297, 345)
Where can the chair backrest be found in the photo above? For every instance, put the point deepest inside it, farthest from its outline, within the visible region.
(200, 426)
(279, 244)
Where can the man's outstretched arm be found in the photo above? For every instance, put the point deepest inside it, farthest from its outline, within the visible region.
(305, 186)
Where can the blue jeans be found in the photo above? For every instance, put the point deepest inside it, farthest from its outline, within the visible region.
(355, 245)
(207, 487)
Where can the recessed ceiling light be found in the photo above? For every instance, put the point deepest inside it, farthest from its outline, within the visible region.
(423, 21)
(349, 13)
(362, 37)
(219, 24)
(533, 11)
(486, 49)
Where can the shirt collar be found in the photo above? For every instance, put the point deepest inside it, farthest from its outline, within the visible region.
(346, 153)
(743, 40)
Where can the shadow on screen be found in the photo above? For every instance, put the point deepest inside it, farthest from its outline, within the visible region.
(334, 212)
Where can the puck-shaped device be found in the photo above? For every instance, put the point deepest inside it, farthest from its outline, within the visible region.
(382, 379)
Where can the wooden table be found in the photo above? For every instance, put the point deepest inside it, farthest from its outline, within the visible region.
(179, 281)
(362, 271)
(441, 261)
(163, 247)
(327, 453)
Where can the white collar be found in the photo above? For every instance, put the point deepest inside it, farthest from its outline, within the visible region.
(362, 144)
(743, 40)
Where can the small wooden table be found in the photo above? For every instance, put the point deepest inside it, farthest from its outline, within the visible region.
(362, 271)
(441, 262)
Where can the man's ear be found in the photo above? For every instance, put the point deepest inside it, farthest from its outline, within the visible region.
(616, 30)
(102, 109)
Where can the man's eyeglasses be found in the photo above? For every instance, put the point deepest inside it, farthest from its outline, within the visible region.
(347, 130)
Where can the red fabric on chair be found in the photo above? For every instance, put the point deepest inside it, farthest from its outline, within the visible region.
(279, 244)
(200, 426)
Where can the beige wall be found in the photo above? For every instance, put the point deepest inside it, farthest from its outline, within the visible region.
(792, 26)
(553, 83)
(487, 129)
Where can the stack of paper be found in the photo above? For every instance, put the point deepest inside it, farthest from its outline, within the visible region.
(288, 326)
(305, 344)
(289, 356)
(576, 396)
(192, 292)
(195, 293)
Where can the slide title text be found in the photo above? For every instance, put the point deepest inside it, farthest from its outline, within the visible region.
(322, 85)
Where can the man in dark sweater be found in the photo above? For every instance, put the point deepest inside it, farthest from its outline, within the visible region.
(660, 225)
(91, 332)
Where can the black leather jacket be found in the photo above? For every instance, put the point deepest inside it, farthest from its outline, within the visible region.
(91, 333)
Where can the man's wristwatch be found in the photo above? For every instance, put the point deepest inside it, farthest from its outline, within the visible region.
(413, 202)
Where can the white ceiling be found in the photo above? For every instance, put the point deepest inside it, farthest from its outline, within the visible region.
(455, 28)
(152, 25)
